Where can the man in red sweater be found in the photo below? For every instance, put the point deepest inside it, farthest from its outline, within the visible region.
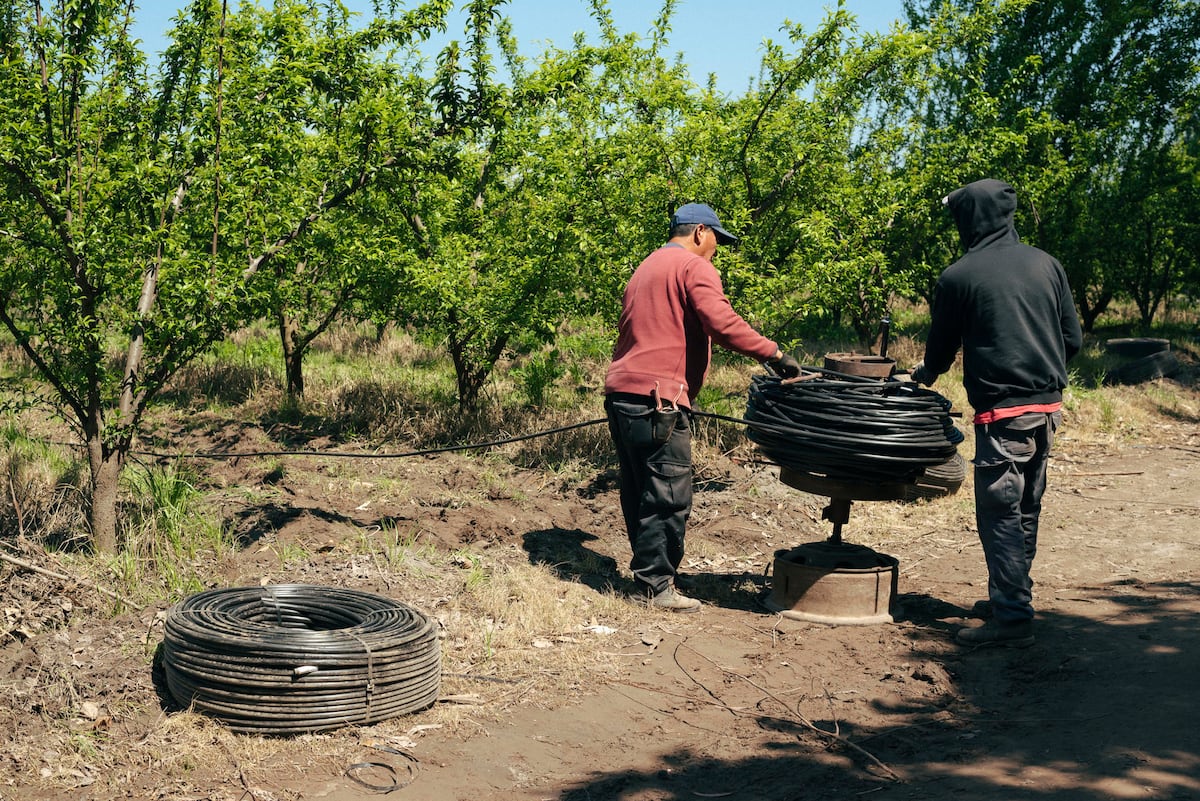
(674, 308)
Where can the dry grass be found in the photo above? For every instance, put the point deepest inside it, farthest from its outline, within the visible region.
(42, 486)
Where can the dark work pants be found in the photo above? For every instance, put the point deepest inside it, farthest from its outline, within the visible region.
(656, 488)
(1010, 478)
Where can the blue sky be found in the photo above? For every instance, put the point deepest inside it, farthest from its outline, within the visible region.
(714, 36)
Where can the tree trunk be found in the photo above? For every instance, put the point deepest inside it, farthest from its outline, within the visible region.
(106, 474)
(293, 354)
(466, 380)
(1089, 311)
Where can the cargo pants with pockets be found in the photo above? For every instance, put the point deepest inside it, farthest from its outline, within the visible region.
(1010, 477)
(656, 486)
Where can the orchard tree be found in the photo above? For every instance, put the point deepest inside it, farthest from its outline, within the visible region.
(533, 217)
(138, 217)
(1152, 231)
(1072, 98)
(801, 168)
(330, 272)
(314, 99)
(962, 127)
(634, 170)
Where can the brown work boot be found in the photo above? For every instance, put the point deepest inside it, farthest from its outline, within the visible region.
(670, 600)
(1011, 635)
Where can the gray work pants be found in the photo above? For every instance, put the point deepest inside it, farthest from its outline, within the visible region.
(656, 488)
(1010, 477)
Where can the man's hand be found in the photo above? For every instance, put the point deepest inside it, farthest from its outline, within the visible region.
(784, 366)
(920, 374)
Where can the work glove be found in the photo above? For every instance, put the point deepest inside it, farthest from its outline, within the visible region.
(785, 366)
(920, 374)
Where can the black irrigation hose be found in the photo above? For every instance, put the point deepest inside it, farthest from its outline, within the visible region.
(359, 455)
(849, 428)
(861, 423)
(294, 658)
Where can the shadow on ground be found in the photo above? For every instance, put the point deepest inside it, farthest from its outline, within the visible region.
(1101, 707)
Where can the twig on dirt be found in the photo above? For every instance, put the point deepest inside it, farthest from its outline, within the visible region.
(21, 563)
(474, 677)
(255, 795)
(1122, 473)
(626, 653)
(773, 633)
(659, 691)
(470, 699)
(808, 724)
(837, 726)
(879, 735)
(12, 490)
(1141, 501)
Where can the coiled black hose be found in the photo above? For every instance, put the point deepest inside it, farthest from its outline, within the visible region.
(850, 428)
(293, 658)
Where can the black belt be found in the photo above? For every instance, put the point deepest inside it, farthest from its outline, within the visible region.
(629, 397)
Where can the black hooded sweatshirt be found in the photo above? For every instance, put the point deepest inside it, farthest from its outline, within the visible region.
(1007, 304)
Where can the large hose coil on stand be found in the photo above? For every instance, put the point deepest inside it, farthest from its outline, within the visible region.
(848, 438)
(849, 428)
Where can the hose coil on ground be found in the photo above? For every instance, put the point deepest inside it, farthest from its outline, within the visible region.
(849, 428)
(293, 658)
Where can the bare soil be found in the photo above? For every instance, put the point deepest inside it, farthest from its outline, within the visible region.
(735, 702)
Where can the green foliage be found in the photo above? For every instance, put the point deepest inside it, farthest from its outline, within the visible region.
(399, 551)
(1089, 109)
(140, 216)
(803, 173)
(168, 537)
(288, 164)
(164, 497)
(321, 114)
(40, 487)
(538, 374)
(510, 238)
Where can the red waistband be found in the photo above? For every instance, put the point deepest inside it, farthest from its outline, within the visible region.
(1007, 412)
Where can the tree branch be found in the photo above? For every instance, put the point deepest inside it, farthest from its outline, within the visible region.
(43, 367)
(323, 207)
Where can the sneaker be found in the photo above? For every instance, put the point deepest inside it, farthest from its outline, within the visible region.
(982, 610)
(1012, 635)
(671, 601)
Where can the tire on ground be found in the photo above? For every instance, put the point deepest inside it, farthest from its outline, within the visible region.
(1136, 347)
(1156, 365)
(939, 480)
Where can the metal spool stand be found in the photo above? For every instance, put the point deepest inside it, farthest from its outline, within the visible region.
(832, 581)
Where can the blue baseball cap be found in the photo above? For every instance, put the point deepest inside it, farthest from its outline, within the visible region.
(702, 214)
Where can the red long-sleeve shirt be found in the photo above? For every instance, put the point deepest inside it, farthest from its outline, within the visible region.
(673, 310)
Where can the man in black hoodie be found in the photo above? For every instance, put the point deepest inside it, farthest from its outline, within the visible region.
(1009, 307)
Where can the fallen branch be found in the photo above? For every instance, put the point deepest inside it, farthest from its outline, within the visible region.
(21, 563)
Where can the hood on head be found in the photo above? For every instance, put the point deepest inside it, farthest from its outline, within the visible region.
(983, 211)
